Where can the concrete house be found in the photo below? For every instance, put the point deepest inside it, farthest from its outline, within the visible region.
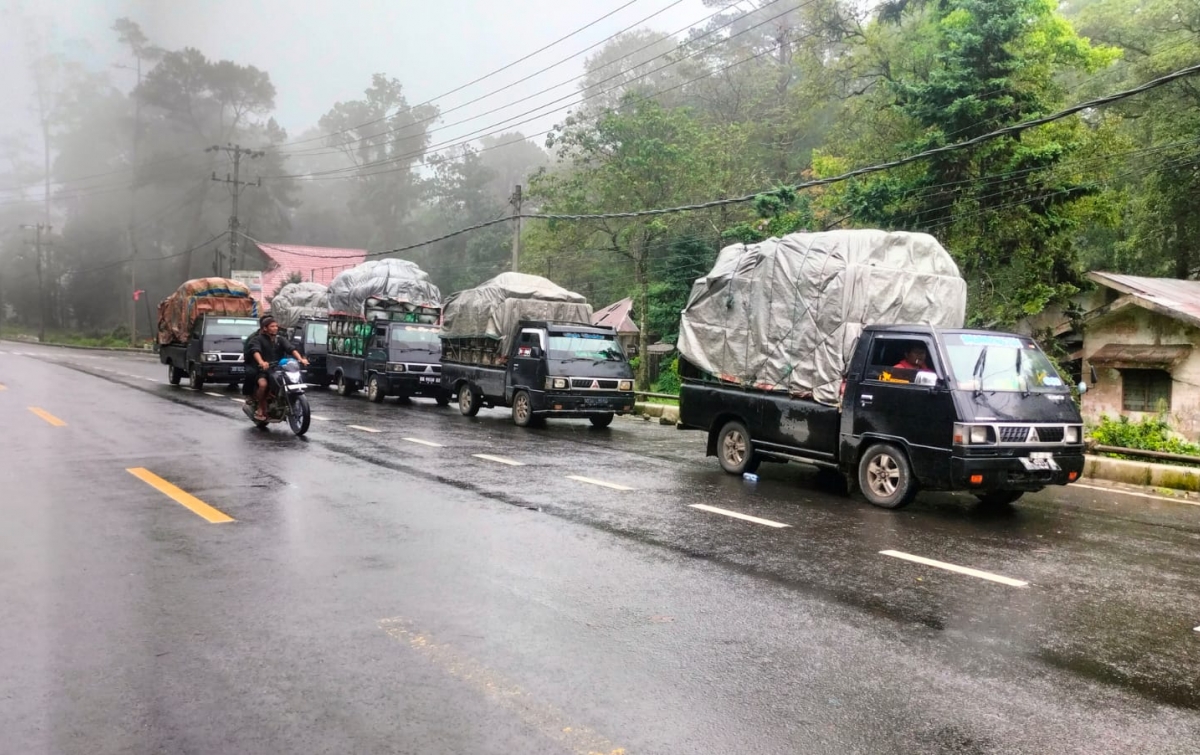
(1142, 336)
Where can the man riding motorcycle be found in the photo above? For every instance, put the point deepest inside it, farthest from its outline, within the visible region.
(264, 348)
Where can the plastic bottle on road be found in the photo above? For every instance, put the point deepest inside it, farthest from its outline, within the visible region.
(749, 477)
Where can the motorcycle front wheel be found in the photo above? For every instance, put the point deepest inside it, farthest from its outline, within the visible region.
(300, 416)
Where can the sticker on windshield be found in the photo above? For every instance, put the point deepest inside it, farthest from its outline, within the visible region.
(593, 336)
(230, 321)
(974, 339)
(1052, 381)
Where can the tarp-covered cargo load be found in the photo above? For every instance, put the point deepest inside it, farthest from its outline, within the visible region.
(783, 314)
(295, 301)
(198, 297)
(379, 286)
(492, 310)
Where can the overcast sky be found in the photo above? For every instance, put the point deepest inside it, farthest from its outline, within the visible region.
(321, 51)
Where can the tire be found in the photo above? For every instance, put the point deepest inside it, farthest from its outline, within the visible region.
(601, 421)
(468, 400)
(999, 497)
(174, 376)
(300, 416)
(195, 377)
(442, 399)
(522, 409)
(885, 477)
(375, 391)
(734, 449)
(344, 387)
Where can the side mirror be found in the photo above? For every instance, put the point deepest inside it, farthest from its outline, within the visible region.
(1082, 387)
(535, 352)
(926, 379)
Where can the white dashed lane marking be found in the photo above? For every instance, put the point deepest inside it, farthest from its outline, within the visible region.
(601, 483)
(957, 569)
(364, 429)
(424, 442)
(736, 515)
(210, 393)
(498, 460)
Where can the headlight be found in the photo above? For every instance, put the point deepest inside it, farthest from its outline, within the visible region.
(973, 434)
(1072, 434)
(559, 384)
(212, 357)
(625, 385)
(395, 367)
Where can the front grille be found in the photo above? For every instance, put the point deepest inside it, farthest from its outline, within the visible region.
(1014, 434)
(1050, 434)
(594, 384)
(420, 369)
(231, 357)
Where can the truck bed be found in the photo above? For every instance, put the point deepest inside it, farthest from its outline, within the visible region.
(776, 422)
(490, 380)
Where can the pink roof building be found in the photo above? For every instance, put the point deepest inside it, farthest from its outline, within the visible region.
(318, 264)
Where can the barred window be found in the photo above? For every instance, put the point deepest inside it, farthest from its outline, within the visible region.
(1143, 390)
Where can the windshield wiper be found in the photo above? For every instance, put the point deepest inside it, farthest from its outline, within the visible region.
(977, 373)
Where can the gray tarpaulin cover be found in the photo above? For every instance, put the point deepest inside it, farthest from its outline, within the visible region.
(388, 280)
(298, 300)
(493, 309)
(783, 314)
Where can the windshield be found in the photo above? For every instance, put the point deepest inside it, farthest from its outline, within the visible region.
(240, 327)
(1001, 363)
(416, 338)
(585, 346)
(318, 333)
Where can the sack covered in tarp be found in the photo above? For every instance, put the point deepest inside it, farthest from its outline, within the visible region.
(493, 309)
(296, 301)
(783, 314)
(198, 297)
(380, 284)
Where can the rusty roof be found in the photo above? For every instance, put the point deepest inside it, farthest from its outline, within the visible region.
(618, 316)
(1141, 355)
(1168, 296)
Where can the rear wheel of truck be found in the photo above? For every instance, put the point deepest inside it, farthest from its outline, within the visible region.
(522, 409)
(195, 377)
(375, 390)
(174, 376)
(468, 400)
(999, 497)
(885, 477)
(601, 421)
(344, 387)
(734, 450)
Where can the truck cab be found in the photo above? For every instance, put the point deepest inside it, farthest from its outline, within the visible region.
(213, 352)
(397, 359)
(983, 412)
(311, 338)
(552, 369)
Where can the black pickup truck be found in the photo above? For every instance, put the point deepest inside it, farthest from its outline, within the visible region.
(987, 413)
(553, 369)
(387, 358)
(213, 352)
(311, 338)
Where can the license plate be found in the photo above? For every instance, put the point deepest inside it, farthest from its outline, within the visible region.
(429, 380)
(1041, 455)
(237, 370)
(1039, 464)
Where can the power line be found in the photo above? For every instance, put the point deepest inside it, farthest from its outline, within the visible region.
(866, 170)
(474, 81)
(352, 171)
(127, 260)
(555, 105)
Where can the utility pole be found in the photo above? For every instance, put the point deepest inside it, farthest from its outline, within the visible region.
(516, 203)
(40, 227)
(236, 151)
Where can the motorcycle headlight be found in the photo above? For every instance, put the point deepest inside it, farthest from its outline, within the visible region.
(1072, 434)
(625, 385)
(212, 357)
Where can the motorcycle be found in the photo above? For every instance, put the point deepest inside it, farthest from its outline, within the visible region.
(285, 398)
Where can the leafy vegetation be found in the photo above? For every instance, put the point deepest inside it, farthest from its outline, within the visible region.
(1151, 433)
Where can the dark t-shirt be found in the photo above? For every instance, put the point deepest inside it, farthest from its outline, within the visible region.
(272, 349)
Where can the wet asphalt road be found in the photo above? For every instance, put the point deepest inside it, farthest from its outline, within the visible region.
(392, 591)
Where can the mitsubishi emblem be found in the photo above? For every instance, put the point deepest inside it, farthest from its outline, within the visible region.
(1033, 435)
(595, 385)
